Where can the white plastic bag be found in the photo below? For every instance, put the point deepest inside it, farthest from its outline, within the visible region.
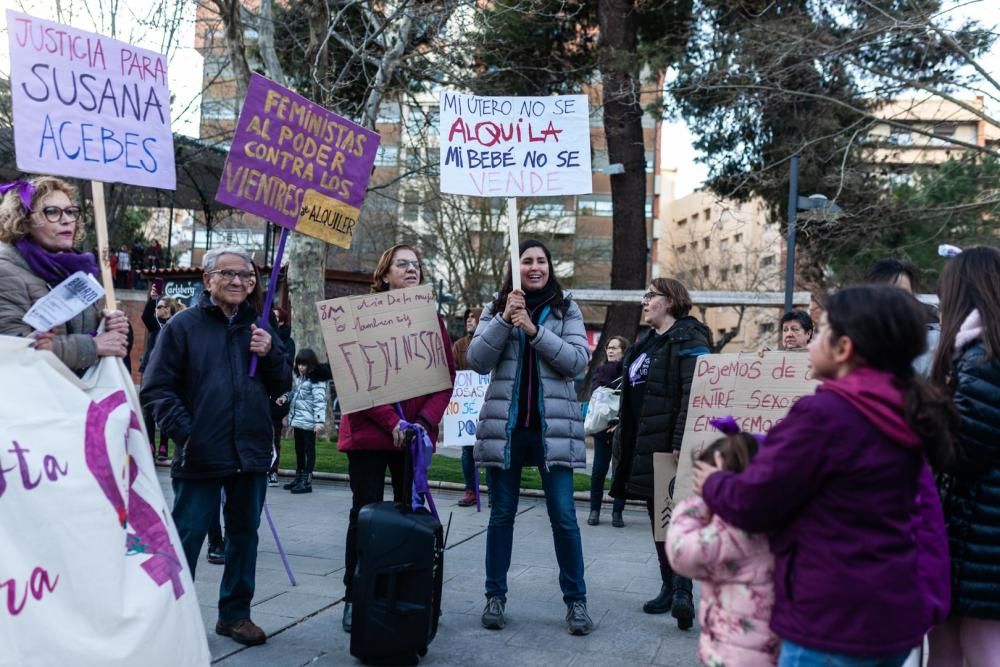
(92, 566)
(602, 409)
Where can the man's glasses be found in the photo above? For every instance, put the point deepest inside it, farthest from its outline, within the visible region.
(406, 263)
(161, 305)
(55, 213)
(229, 275)
(649, 296)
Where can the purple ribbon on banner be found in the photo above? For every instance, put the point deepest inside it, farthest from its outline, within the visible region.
(420, 445)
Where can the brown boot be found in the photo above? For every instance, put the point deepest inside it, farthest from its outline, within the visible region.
(243, 631)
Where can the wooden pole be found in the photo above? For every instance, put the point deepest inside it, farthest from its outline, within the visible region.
(104, 248)
(515, 255)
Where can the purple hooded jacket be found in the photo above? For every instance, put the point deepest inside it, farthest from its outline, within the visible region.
(849, 503)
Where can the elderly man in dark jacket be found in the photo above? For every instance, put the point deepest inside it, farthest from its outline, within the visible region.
(202, 396)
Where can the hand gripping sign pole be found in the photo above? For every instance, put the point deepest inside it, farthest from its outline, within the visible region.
(271, 285)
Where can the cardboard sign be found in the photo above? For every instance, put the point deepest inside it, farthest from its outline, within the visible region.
(89, 546)
(298, 165)
(88, 106)
(664, 470)
(384, 347)
(462, 414)
(515, 146)
(757, 391)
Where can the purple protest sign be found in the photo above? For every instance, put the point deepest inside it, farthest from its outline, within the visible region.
(298, 165)
(88, 106)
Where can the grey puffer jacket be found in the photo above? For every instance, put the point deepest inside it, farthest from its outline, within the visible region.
(562, 354)
(20, 288)
(307, 399)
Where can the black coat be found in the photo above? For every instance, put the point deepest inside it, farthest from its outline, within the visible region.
(972, 496)
(153, 326)
(202, 396)
(660, 425)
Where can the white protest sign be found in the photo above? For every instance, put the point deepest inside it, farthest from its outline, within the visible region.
(384, 347)
(92, 572)
(462, 414)
(68, 299)
(88, 106)
(515, 146)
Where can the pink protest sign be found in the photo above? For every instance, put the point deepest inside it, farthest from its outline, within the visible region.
(88, 106)
(298, 165)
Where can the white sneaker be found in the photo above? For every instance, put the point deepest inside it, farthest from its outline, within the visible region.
(272, 479)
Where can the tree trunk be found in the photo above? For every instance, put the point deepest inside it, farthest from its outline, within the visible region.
(229, 12)
(619, 66)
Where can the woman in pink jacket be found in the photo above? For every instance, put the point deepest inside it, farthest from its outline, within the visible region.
(372, 438)
(736, 568)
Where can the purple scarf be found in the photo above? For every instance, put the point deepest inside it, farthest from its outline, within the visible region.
(55, 267)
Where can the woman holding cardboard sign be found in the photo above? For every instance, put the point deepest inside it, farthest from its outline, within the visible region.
(40, 222)
(658, 372)
(372, 438)
(534, 344)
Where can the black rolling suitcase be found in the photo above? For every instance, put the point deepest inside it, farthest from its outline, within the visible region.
(397, 583)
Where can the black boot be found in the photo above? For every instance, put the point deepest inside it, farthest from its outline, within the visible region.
(616, 519)
(305, 484)
(683, 606)
(594, 518)
(289, 485)
(661, 603)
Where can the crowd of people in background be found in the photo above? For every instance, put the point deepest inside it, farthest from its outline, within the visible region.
(128, 261)
(863, 522)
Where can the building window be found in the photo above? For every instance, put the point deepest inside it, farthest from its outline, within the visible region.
(707, 213)
(767, 260)
(724, 244)
(945, 129)
(218, 109)
(411, 206)
(681, 249)
(694, 218)
(388, 113)
(738, 269)
(705, 242)
(723, 274)
(899, 136)
(704, 271)
(765, 328)
(682, 222)
(387, 156)
(595, 205)
(650, 162)
(593, 249)
(738, 238)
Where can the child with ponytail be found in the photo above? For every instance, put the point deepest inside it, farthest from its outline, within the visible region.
(843, 488)
(735, 568)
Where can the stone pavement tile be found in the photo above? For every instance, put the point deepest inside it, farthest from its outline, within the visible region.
(224, 646)
(612, 578)
(648, 587)
(678, 649)
(296, 604)
(269, 560)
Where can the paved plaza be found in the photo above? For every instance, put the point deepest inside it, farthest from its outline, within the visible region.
(303, 621)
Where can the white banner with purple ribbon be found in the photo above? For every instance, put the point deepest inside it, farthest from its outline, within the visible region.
(92, 571)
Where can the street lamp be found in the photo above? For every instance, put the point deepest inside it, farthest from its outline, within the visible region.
(796, 204)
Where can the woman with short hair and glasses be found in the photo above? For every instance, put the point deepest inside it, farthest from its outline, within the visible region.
(658, 371)
(373, 438)
(40, 223)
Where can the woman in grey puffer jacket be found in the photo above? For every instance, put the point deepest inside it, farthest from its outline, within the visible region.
(534, 344)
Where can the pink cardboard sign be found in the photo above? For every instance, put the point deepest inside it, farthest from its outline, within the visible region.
(298, 165)
(88, 106)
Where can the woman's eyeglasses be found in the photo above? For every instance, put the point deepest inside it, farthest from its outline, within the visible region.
(406, 263)
(649, 296)
(55, 213)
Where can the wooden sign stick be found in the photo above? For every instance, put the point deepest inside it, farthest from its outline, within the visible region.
(104, 248)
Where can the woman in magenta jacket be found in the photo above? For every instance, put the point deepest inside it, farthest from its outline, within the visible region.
(372, 438)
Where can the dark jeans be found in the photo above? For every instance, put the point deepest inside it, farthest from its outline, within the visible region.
(147, 416)
(367, 473)
(557, 482)
(276, 423)
(305, 450)
(195, 502)
(794, 655)
(602, 462)
(469, 468)
(215, 536)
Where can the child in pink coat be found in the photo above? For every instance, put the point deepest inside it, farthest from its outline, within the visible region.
(736, 568)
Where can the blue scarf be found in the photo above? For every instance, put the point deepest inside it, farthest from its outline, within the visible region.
(55, 267)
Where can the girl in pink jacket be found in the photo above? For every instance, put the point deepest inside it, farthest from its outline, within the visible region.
(736, 568)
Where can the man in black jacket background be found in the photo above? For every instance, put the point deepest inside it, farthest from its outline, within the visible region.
(202, 396)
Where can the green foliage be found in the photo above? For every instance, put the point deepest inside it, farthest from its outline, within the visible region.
(956, 204)
(764, 79)
(125, 225)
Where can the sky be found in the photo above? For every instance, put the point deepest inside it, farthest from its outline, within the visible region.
(677, 149)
